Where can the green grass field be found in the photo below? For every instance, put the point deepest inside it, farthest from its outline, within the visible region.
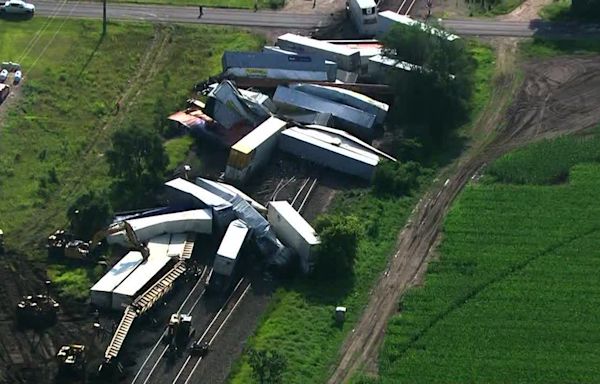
(514, 295)
(54, 135)
(300, 321)
(558, 10)
(501, 7)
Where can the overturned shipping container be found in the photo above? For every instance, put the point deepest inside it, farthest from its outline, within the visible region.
(329, 150)
(294, 231)
(101, 292)
(157, 262)
(253, 152)
(273, 65)
(347, 97)
(346, 59)
(198, 221)
(359, 123)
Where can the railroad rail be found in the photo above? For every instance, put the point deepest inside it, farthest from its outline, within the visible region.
(146, 300)
(184, 376)
(152, 361)
(406, 7)
(303, 194)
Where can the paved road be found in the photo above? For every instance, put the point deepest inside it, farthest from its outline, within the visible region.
(148, 12)
(274, 19)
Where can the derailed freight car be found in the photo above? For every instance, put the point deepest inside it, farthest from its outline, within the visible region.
(347, 97)
(272, 65)
(228, 256)
(253, 151)
(346, 59)
(101, 292)
(355, 121)
(293, 231)
(329, 150)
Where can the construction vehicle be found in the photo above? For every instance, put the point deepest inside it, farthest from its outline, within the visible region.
(199, 348)
(37, 311)
(71, 360)
(1, 242)
(134, 243)
(180, 329)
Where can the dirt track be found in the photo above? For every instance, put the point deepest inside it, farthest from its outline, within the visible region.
(557, 96)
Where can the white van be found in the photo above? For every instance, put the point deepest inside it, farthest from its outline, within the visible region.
(363, 14)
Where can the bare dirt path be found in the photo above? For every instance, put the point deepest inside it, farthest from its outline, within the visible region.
(558, 96)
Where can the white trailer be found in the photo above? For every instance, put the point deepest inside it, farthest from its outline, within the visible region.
(293, 231)
(101, 292)
(197, 221)
(346, 59)
(348, 97)
(230, 248)
(363, 14)
(387, 20)
(330, 150)
(380, 66)
(253, 151)
(142, 276)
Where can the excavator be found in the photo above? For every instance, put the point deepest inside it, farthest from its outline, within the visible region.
(134, 242)
(61, 243)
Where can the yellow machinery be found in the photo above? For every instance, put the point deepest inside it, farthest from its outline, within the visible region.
(135, 244)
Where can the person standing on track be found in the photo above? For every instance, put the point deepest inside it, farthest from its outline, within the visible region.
(200, 11)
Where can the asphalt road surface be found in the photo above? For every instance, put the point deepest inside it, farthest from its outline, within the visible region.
(281, 19)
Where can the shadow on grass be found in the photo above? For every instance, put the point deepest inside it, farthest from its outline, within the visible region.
(91, 56)
(16, 18)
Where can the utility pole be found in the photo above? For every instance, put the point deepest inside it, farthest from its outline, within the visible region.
(103, 17)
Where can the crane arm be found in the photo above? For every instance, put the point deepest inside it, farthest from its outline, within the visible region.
(129, 233)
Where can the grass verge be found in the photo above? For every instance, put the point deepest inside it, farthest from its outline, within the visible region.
(498, 8)
(177, 149)
(558, 10)
(512, 298)
(55, 132)
(541, 47)
(299, 322)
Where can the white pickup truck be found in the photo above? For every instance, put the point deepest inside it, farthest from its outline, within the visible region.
(16, 7)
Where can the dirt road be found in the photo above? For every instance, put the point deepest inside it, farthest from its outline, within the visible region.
(557, 96)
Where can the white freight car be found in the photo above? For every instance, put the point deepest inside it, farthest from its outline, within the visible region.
(101, 292)
(253, 151)
(329, 150)
(348, 97)
(388, 19)
(143, 275)
(363, 14)
(198, 221)
(228, 256)
(293, 231)
(346, 59)
(231, 245)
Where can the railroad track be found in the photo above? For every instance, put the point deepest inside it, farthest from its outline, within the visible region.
(152, 361)
(303, 194)
(406, 7)
(184, 376)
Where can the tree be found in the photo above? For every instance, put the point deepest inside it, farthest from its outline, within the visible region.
(339, 244)
(396, 178)
(90, 212)
(586, 9)
(434, 96)
(138, 162)
(267, 365)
